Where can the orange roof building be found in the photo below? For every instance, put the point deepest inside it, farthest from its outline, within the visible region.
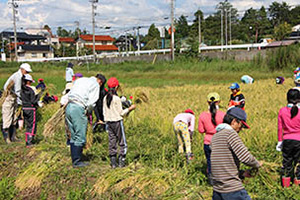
(103, 43)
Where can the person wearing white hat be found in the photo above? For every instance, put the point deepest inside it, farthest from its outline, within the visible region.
(30, 101)
(11, 102)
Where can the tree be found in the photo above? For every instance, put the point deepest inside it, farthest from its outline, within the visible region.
(182, 27)
(255, 22)
(63, 32)
(282, 30)
(295, 16)
(152, 37)
(279, 13)
(194, 29)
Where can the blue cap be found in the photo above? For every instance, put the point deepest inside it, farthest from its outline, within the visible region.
(234, 86)
(239, 114)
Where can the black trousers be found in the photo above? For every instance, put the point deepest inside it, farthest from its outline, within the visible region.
(116, 136)
(291, 158)
(29, 114)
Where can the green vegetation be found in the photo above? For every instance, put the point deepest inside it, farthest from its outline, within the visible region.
(155, 170)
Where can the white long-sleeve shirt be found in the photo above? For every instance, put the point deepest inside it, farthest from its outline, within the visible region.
(17, 79)
(85, 92)
(69, 74)
(115, 112)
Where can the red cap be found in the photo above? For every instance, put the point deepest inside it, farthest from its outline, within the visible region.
(41, 80)
(55, 98)
(189, 111)
(112, 82)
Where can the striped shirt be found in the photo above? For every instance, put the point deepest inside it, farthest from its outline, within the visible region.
(228, 151)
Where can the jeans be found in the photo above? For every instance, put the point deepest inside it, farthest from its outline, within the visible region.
(207, 152)
(238, 195)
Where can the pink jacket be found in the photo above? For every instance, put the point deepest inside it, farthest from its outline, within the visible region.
(205, 124)
(288, 129)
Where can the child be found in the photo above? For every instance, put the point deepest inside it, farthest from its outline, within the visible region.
(237, 99)
(113, 116)
(29, 103)
(279, 80)
(41, 84)
(208, 121)
(289, 138)
(184, 124)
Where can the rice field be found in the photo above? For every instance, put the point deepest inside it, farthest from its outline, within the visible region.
(155, 170)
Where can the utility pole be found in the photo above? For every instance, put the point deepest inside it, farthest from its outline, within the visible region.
(230, 27)
(138, 39)
(126, 47)
(14, 7)
(221, 30)
(199, 29)
(93, 22)
(78, 33)
(172, 31)
(226, 28)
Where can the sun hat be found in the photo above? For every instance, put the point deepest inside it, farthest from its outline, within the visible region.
(239, 114)
(28, 77)
(26, 67)
(234, 86)
(213, 96)
(70, 65)
(189, 111)
(41, 80)
(112, 82)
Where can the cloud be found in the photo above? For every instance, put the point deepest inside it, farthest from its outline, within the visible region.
(121, 15)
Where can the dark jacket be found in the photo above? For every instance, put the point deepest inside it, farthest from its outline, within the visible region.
(99, 104)
(41, 85)
(28, 97)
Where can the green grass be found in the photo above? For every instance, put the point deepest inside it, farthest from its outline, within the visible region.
(156, 170)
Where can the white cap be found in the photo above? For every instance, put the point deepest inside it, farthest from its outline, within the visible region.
(28, 77)
(26, 67)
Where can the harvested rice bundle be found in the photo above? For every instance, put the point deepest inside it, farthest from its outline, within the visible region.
(6, 92)
(51, 125)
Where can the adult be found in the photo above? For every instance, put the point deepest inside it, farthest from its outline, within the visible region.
(99, 106)
(82, 99)
(228, 151)
(289, 138)
(184, 124)
(69, 73)
(247, 79)
(113, 116)
(208, 122)
(11, 102)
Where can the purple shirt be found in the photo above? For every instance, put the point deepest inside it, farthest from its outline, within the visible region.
(288, 129)
(187, 118)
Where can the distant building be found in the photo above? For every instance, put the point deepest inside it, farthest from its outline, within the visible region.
(28, 46)
(103, 43)
(121, 43)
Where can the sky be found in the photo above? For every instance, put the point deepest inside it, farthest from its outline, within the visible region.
(120, 15)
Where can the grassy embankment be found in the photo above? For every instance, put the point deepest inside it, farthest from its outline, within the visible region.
(155, 170)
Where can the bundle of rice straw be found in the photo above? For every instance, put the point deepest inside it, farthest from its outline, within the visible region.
(140, 97)
(6, 92)
(89, 137)
(51, 125)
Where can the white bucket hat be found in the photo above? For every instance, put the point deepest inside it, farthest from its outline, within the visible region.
(26, 67)
(28, 77)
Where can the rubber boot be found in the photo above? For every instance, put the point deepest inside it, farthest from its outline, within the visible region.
(28, 139)
(76, 154)
(286, 182)
(113, 161)
(296, 181)
(6, 136)
(122, 160)
(14, 135)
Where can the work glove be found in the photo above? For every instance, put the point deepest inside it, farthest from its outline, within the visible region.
(279, 146)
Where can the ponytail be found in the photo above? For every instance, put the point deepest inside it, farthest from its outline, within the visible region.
(213, 111)
(293, 97)
(294, 111)
(109, 96)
